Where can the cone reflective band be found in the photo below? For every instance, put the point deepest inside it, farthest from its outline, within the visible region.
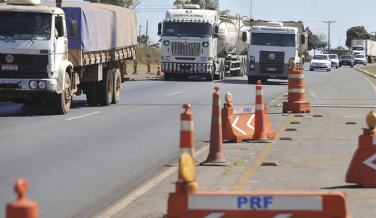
(148, 63)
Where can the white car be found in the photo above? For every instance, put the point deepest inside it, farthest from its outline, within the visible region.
(334, 59)
(321, 61)
(360, 59)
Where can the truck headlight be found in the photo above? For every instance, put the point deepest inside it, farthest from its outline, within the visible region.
(42, 84)
(33, 85)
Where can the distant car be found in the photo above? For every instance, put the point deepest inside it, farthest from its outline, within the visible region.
(360, 59)
(334, 60)
(346, 60)
(321, 61)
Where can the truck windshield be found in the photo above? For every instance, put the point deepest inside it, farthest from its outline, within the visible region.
(25, 26)
(187, 29)
(268, 39)
(357, 48)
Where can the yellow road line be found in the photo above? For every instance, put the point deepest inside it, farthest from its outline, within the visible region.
(327, 127)
(367, 196)
(325, 134)
(322, 160)
(247, 175)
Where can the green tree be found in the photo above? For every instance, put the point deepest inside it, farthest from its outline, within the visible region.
(357, 32)
(315, 42)
(131, 4)
(143, 39)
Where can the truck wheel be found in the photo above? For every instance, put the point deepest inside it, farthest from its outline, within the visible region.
(117, 86)
(222, 68)
(209, 77)
(62, 102)
(167, 76)
(105, 89)
(91, 93)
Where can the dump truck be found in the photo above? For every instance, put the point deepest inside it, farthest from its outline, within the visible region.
(273, 45)
(365, 47)
(200, 42)
(51, 51)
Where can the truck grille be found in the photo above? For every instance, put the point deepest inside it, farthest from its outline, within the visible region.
(28, 66)
(186, 48)
(268, 65)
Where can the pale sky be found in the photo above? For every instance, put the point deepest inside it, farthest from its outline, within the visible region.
(345, 13)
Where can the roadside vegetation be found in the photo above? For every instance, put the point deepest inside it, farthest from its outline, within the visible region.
(369, 69)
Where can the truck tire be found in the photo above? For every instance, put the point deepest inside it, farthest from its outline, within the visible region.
(167, 76)
(91, 93)
(62, 102)
(116, 86)
(105, 89)
(209, 77)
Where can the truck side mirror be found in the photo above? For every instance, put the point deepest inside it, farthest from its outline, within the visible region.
(244, 37)
(216, 30)
(302, 39)
(159, 29)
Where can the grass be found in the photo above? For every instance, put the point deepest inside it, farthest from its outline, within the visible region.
(141, 67)
(235, 163)
(369, 69)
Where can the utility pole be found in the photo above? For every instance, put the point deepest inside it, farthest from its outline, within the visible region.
(139, 34)
(147, 28)
(329, 22)
(250, 9)
(339, 42)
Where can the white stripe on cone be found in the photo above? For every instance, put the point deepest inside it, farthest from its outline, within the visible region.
(186, 125)
(296, 91)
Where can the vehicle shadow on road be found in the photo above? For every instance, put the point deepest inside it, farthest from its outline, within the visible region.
(344, 187)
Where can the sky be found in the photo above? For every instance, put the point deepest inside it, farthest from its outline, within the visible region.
(345, 13)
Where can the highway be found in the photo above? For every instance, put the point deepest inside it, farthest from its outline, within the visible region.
(76, 164)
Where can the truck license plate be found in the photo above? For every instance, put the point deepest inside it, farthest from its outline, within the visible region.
(9, 67)
(271, 69)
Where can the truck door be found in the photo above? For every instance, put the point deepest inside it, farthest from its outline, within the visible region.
(61, 41)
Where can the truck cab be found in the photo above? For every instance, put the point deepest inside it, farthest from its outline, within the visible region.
(273, 45)
(34, 53)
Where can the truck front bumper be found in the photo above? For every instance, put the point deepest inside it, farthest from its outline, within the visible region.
(188, 68)
(24, 85)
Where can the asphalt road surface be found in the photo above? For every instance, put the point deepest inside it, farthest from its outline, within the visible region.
(78, 163)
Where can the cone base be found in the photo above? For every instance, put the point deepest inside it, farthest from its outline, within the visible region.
(297, 107)
(215, 163)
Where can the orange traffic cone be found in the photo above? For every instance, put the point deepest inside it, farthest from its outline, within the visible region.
(186, 139)
(362, 169)
(159, 72)
(23, 207)
(260, 134)
(216, 156)
(296, 91)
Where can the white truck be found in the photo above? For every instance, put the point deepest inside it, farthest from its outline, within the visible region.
(200, 42)
(364, 47)
(49, 53)
(272, 46)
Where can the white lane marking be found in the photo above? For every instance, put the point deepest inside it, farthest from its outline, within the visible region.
(215, 215)
(249, 122)
(175, 93)
(126, 200)
(73, 118)
(283, 215)
(237, 128)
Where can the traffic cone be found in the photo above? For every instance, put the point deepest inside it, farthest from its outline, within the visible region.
(362, 169)
(186, 140)
(23, 207)
(148, 63)
(216, 156)
(259, 134)
(159, 72)
(135, 67)
(296, 91)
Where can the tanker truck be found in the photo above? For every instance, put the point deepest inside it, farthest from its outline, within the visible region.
(273, 45)
(49, 53)
(200, 42)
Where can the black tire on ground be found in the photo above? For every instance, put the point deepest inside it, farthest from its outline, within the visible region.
(105, 88)
(337, 67)
(352, 65)
(310, 69)
(209, 77)
(91, 93)
(116, 86)
(62, 102)
(340, 65)
(222, 68)
(167, 76)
